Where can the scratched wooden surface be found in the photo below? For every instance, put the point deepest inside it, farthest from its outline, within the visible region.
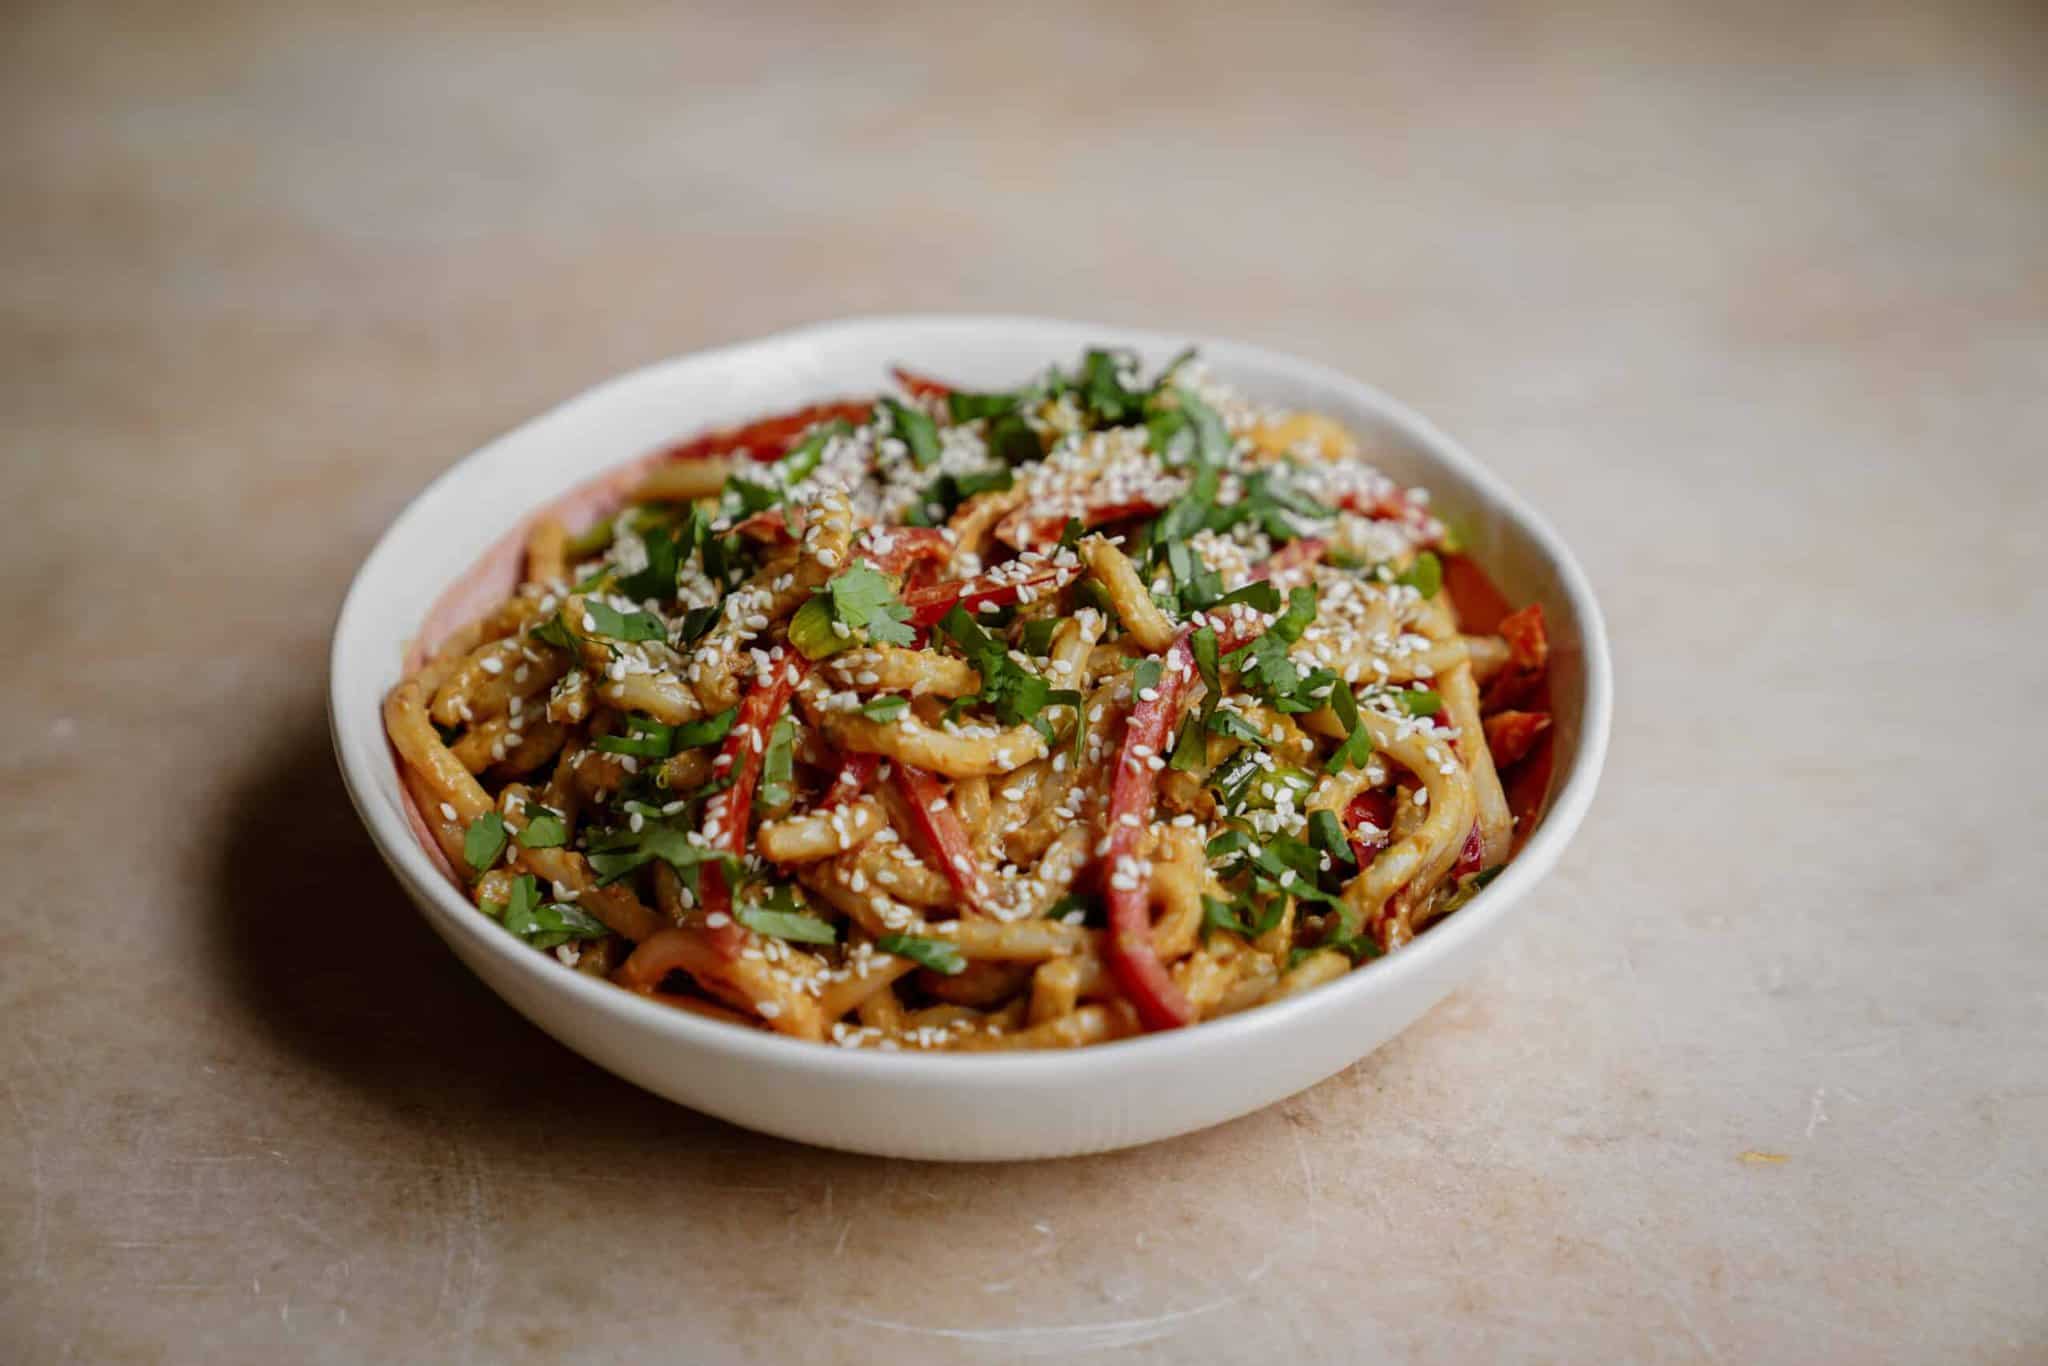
(1756, 305)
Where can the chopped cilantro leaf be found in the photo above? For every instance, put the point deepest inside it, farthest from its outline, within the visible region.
(484, 842)
(794, 925)
(657, 579)
(1011, 440)
(1231, 726)
(885, 709)
(917, 431)
(965, 407)
(1326, 833)
(646, 738)
(1421, 702)
(708, 730)
(608, 621)
(940, 955)
(545, 829)
(1425, 576)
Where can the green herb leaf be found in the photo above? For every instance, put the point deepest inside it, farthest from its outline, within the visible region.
(885, 709)
(778, 768)
(917, 431)
(545, 926)
(1234, 727)
(484, 842)
(1425, 576)
(606, 620)
(544, 829)
(1326, 833)
(966, 407)
(1011, 440)
(1421, 702)
(940, 955)
(1036, 636)
(794, 925)
(657, 579)
(708, 730)
(646, 738)
(1103, 394)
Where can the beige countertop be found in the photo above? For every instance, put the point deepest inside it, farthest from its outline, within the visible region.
(1755, 308)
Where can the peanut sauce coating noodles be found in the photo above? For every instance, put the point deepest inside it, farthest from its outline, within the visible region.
(959, 720)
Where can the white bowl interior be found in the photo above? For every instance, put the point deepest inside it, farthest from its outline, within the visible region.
(988, 1107)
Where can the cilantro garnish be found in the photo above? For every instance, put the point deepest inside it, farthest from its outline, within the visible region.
(1103, 394)
(1326, 833)
(966, 407)
(484, 842)
(885, 709)
(615, 853)
(1241, 920)
(1014, 693)
(657, 580)
(1231, 726)
(1357, 746)
(778, 768)
(1425, 576)
(708, 730)
(940, 955)
(608, 621)
(554, 631)
(544, 925)
(1420, 702)
(1011, 440)
(545, 829)
(856, 599)
(917, 431)
(646, 738)
(786, 924)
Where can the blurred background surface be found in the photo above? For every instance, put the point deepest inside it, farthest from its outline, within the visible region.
(1752, 300)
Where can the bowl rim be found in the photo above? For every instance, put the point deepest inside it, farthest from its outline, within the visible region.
(356, 730)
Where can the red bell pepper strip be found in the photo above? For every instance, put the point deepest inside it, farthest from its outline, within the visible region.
(1528, 656)
(1031, 527)
(940, 836)
(1394, 506)
(855, 776)
(1374, 810)
(928, 605)
(1133, 959)
(1473, 856)
(922, 386)
(768, 438)
(897, 549)
(731, 810)
(1510, 735)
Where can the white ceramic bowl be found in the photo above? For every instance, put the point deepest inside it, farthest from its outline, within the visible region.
(968, 1107)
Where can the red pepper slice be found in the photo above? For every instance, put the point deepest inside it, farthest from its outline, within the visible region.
(855, 776)
(1510, 735)
(941, 837)
(1375, 809)
(768, 438)
(1030, 527)
(928, 605)
(903, 547)
(1133, 960)
(1394, 506)
(1472, 856)
(745, 747)
(1528, 656)
(923, 386)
